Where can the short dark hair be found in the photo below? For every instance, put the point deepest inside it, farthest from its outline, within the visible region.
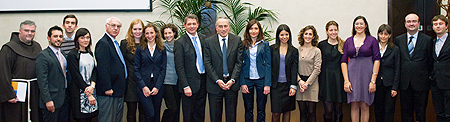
(388, 29)
(82, 32)
(439, 17)
(172, 27)
(190, 16)
(70, 16)
(49, 33)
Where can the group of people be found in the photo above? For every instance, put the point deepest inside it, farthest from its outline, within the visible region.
(143, 69)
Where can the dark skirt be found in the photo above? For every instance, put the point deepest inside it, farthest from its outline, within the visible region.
(280, 100)
(331, 85)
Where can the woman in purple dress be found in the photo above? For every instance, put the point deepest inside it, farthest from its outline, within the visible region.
(360, 63)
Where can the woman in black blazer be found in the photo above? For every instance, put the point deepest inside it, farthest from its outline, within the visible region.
(284, 82)
(255, 71)
(388, 76)
(149, 69)
(81, 66)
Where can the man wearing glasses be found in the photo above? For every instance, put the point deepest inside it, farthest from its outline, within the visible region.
(111, 74)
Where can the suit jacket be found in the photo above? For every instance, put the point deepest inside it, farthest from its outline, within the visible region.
(185, 63)
(110, 70)
(415, 70)
(145, 65)
(291, 65)
(263, 63)
(214, 63)
(441, 65)
(390, 67)
(50, 78)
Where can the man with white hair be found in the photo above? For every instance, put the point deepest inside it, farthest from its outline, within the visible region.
(111, 74)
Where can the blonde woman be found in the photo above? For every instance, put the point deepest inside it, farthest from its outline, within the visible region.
(128, 47)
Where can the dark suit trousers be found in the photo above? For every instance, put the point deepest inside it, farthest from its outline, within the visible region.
(60, 115)
(384, 103)
(172, 100)
(151, 104)
(194, 106)
(413, 101)
(216, 105)
(261, 100)
(131, 111)
(441, 102)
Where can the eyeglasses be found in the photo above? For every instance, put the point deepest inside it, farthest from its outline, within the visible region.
(114, 25)
(412, 21)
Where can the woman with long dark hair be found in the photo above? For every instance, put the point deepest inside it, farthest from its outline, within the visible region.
(360, 63)
(284, 74)
(256, 72)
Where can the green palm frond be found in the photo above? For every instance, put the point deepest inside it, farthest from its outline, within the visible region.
(240, 13)
(267, 33)
(177, 10)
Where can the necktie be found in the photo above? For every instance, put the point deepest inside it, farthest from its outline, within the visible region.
(63, 68)
(410, 45)
(199, 56)
(121, 57)
(439, 44)
(224, 58)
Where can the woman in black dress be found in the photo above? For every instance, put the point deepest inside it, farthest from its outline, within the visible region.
(331, 81)
(80, 62)
(128, 48)
(284, 74)
(388, 76)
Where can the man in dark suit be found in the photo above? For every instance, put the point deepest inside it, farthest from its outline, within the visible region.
(415, 70)
(440, 89)
(223, 59)
(191, 71)
(51, 67)
(111, 75)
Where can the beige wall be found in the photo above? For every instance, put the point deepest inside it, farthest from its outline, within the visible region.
(295, 13)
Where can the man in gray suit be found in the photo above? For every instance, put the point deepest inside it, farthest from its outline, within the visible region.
(222, 60)
(51, 67)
